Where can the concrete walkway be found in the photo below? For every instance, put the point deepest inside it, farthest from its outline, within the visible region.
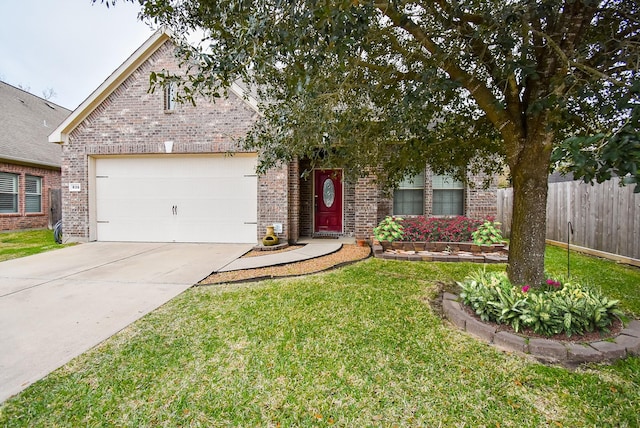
(309, 251)
(56, 305)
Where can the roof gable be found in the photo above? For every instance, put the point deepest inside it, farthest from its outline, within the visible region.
(134, 62)
(26, 120)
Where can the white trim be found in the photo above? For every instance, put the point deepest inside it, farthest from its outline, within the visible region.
(61, 133)
(148, 48)
(92, 198)
(243, 95)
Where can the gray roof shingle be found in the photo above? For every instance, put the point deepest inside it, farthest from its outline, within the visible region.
(25, 124)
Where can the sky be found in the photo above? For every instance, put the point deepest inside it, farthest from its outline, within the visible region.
(70, 46)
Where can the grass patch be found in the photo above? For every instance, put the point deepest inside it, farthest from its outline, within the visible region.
(615, 280)
(26, 243)
(359, 346)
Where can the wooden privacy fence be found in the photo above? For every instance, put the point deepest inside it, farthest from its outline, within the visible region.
(605, 217)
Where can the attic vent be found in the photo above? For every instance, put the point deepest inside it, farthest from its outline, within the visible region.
(170, 97)
(50, 106)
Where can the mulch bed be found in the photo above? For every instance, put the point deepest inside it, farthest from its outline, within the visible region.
(347, 254)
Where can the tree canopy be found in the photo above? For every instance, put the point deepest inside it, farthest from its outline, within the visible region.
(459, 85)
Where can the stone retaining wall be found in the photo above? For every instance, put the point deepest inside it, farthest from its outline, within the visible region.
(625, 344)
(441, 252)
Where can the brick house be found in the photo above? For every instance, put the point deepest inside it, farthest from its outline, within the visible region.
(137, 166)
(29, 165)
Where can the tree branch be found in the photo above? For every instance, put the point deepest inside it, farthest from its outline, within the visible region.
(582, 67)
(479, 91)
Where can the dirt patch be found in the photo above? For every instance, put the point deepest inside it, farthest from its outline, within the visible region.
(348, 253)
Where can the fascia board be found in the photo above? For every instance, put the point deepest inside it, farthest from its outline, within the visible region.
(61, 134)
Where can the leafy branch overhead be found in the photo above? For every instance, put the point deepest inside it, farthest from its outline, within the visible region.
(387, 86)
(439, 81)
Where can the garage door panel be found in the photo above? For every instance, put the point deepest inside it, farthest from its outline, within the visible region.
(215, 188)
(225, 231)
(219, 214)
(135, 229)
(215, 199)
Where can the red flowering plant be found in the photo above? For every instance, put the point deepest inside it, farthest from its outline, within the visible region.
(439, 229)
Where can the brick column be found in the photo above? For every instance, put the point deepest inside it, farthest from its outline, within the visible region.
(294, 201)
(273, 201)
(366, 206)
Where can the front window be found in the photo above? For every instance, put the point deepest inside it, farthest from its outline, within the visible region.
(408, 197)
(448, 195)
(33, 194)
(8, 193)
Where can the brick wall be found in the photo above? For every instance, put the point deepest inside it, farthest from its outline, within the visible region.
(385, 204)
(22, 219)
(273, 200)
(306, 200)
(366, 206)
(131, 120)
(481, 203)
(349, 201)
(294, 201)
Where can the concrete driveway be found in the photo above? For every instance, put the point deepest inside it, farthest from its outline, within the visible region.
(54, 306)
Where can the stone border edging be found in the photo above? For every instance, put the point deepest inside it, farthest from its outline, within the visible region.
(627, 343)
(432, 252)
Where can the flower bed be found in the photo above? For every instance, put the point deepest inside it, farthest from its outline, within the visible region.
(438, 229)
(556, 307)
(439, 239)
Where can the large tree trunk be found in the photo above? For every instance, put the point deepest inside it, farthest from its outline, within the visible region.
(528, 225)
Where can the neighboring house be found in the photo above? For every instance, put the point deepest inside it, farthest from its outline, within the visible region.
(29, 165)
(139, 167)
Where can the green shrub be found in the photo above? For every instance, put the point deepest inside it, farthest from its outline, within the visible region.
(488, 233)
(549, 309)
(389, 230)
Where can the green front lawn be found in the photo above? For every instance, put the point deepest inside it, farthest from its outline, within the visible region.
(26, 243)
(359, 346)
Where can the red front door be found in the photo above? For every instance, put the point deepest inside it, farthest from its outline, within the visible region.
(327, 196)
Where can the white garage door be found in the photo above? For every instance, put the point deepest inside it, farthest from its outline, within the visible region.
(173, 198)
